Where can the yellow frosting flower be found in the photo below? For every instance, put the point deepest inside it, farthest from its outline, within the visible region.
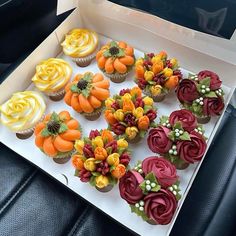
(138, 112)
(101, 181)
(113, 159)
(122, 143)
(168, 72)
(119, 115)
(148, 101)
(148, 75)
(131, 132)
(97, 141)
(109, 102)
(52, 75)
(174, 62)
(126, 96)
(80, 43)
(22, 111)
(139, 62)
(156, 59)
(156, 90)
(79, 145)
(90, 165)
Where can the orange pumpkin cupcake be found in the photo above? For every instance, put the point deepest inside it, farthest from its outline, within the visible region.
(86, 94)
(116, 60)
(156, 75)
(56, 134)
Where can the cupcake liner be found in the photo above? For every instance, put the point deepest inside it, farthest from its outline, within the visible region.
(151, 222)
(25, 134)
(157, 98)
(106, 189)
(85, 61)
(93, 115)
(137, 139)
(203, 119)
(116, 77)
(63, 157)
(57, 96)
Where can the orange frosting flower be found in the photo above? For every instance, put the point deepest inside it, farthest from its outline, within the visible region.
(106, 134)
(158, 67)
(143, 123)
(172, 82)
(100, 153)
(77, 162)
(109, 117)
(128, 105)
(119, 171)
(139, 71)
(136, 91)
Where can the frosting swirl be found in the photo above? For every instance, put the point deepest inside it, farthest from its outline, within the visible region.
(52, 75)
(22, 111)
(80, 43)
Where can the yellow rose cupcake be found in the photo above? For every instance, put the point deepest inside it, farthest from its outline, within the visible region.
(22, 112)
(81, 45)
(51, 77)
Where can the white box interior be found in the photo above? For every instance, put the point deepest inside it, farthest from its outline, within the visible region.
(126, 27)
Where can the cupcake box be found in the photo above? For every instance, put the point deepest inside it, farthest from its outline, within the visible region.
(118, 23)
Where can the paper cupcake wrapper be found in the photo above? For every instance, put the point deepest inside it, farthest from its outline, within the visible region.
(157, 98)
(116, 77)
(57, 93)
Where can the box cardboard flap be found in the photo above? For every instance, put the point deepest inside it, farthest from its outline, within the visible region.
(65, 5)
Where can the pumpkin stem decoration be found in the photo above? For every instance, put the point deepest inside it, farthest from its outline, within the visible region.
(56, 135)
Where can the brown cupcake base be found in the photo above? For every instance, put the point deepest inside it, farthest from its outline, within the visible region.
(151, 222)
(135, 140)
(105, 189)
(181, 165)
(203, 120)
(83, 63)
(62, 160)
(57, 96)
(158, 98)
(116, 78)
(92, 116)
(24, 135)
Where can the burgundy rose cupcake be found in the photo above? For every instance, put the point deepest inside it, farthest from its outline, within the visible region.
(178, 138)
(152, 190)
(202, 94)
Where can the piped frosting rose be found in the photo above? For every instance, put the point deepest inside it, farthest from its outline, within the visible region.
(80, 43)
(129, 187)
(187, 119)
(22, 111)
(160, 206)
(52, 75)
(215, 80)
(213, 106)
(162, 169)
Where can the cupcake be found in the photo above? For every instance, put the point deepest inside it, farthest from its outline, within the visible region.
(202, 94)
(156, 75)
(116, 60)
(51, 77)
(86, 94)
(22, 112)
(56, 134)
(152, 190)
(101, 159)
(178, 138)
(81, 45)
(130, 115)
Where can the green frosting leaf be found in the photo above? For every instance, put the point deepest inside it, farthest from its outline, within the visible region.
(211, 94)
(92, 181)
(94, 173)
(206, 81)
(164, 119)
(138, 212)
(152, 178)
(185, 136)
(113, 44)
(178, 125)
(77, 173)
(45, 132)
(142, 133)
(121, 53)
(74, 89)
(55, 117)
(63, 128)
(112, 168)
(171, 135)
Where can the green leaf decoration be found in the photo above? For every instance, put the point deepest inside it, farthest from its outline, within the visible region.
(151, 82)
(142, 133)
(87, 140)
(85, 92)
(146, 108)
(113, 44)
(199, 88)
(152, 178)
(112, 168)
(153, 124)
(164, 119)
(171, 135)
(77, 173)
(138, 212)
(94, 173)
(97, 161)
(206, 81)
(45, 132)
(74, 89)
(88, 77)
(109, 150)
(121, 53)
(185, 136)
(113, 181)
(211, 94)
(107, 53)
(121, 150)
(55, 117)
(123, 123)
(92, 181)
(178, 125)
(63, 128)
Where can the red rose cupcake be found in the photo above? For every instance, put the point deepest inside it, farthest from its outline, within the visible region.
(156, 75)
(101, 159)
(179, 138)
(152, 190)
(202, 94)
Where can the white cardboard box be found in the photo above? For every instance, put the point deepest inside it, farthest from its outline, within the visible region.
(196, 51)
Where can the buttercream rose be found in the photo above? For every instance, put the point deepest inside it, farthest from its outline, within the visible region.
(213, 106)
(193, 150)
(160, 206)
(162, 169)
(187, 119)
(215, 80)
(129, 187)
(158, 140)
(187, 91)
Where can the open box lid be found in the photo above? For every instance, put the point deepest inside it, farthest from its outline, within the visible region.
(213, 46)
